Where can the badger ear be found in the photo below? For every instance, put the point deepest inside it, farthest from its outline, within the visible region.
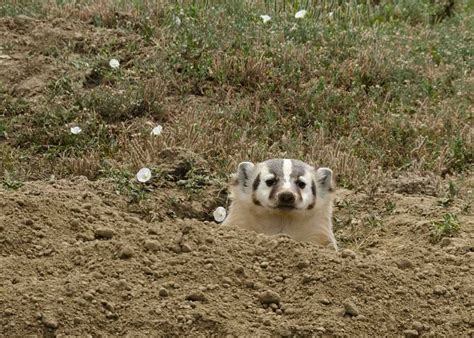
(324, 178)
(244, 171)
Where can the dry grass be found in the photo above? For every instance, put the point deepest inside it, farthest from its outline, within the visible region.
(371, 89)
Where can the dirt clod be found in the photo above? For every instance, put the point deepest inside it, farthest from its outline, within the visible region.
(152, 245)
(348, 253)
(49, 321)
(126, 252)
(103, 233)
(411, 333)
(196, 296)
(268, 297)
(350, 308)
(439, 290)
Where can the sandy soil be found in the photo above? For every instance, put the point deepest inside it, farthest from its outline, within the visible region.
(75, 260)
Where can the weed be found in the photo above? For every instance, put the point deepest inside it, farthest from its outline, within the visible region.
(448, 227)
(127, 185)
(11, 184)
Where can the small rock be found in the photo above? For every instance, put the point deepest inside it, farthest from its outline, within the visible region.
(28, 221)
(268, 297)
(325, 301)
(350, 308)
(417, 326)
(131, 219)
(111, 315)
(348, 253)
(186, 247)
(227, 280)
(49, 321)
(9, 312)
(196, 296)
(103, 233)
(152, 245)
(404, 264)
(411, 333)
(302, 264)
(264, 265)
(75, 223)
(126, 252)
(163, 292)
(439, 290)
(108, 305)
(307, 278)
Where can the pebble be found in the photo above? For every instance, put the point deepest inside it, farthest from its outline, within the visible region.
(152, 245)
(303, 264)
(350, 308)
(186, 247)
(325, 301)
(439, 290)
(75, 223)
(163, 292)
(268, 297)
(348, 253)
(9, 312)
(126, 252)
(410, 333)
(28, 221)
(103, 233)
(404, 264)
(131, 219)
(264, 265)
(196, 296)
(49, 321)
(417, 326)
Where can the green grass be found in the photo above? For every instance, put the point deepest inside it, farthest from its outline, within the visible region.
(448, 227)
(363, 88)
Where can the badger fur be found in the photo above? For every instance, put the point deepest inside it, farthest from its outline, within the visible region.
(283, 196)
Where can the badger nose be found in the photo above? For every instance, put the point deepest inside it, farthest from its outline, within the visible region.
(286, 198)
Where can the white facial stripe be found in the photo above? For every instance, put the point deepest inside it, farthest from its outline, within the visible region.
(287, 168)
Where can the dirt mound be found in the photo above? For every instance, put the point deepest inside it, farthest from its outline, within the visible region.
(74, 260)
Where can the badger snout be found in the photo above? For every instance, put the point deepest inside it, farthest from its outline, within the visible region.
(286, 199)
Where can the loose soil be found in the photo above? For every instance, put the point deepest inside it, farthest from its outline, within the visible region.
(76, 260)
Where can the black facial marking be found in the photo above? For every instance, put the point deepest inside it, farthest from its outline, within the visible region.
(255, 200)
(313, 188)
(256, 183)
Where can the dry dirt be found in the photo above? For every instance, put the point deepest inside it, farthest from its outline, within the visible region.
(75, 260)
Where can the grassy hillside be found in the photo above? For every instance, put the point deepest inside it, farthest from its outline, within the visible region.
(369, 88)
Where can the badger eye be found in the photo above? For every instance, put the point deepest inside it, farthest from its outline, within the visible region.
(270, 182)
(301, 184)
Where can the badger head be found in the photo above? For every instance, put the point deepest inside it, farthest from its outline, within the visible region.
(285, 185)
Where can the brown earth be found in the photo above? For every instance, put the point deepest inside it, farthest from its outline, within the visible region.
(75, 260)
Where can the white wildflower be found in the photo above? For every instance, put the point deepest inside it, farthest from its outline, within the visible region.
(75, 130)
(265, 18)
(114, 63)
(219, 214)
(177, 21)
(144, 175)
(157, 130)
(300, 14)
(331, 15)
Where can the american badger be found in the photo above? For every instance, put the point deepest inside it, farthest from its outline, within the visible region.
(283, 196)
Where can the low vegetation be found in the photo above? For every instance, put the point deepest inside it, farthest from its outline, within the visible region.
(368, 88)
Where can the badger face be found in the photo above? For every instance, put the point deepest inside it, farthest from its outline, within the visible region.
(283, 184)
